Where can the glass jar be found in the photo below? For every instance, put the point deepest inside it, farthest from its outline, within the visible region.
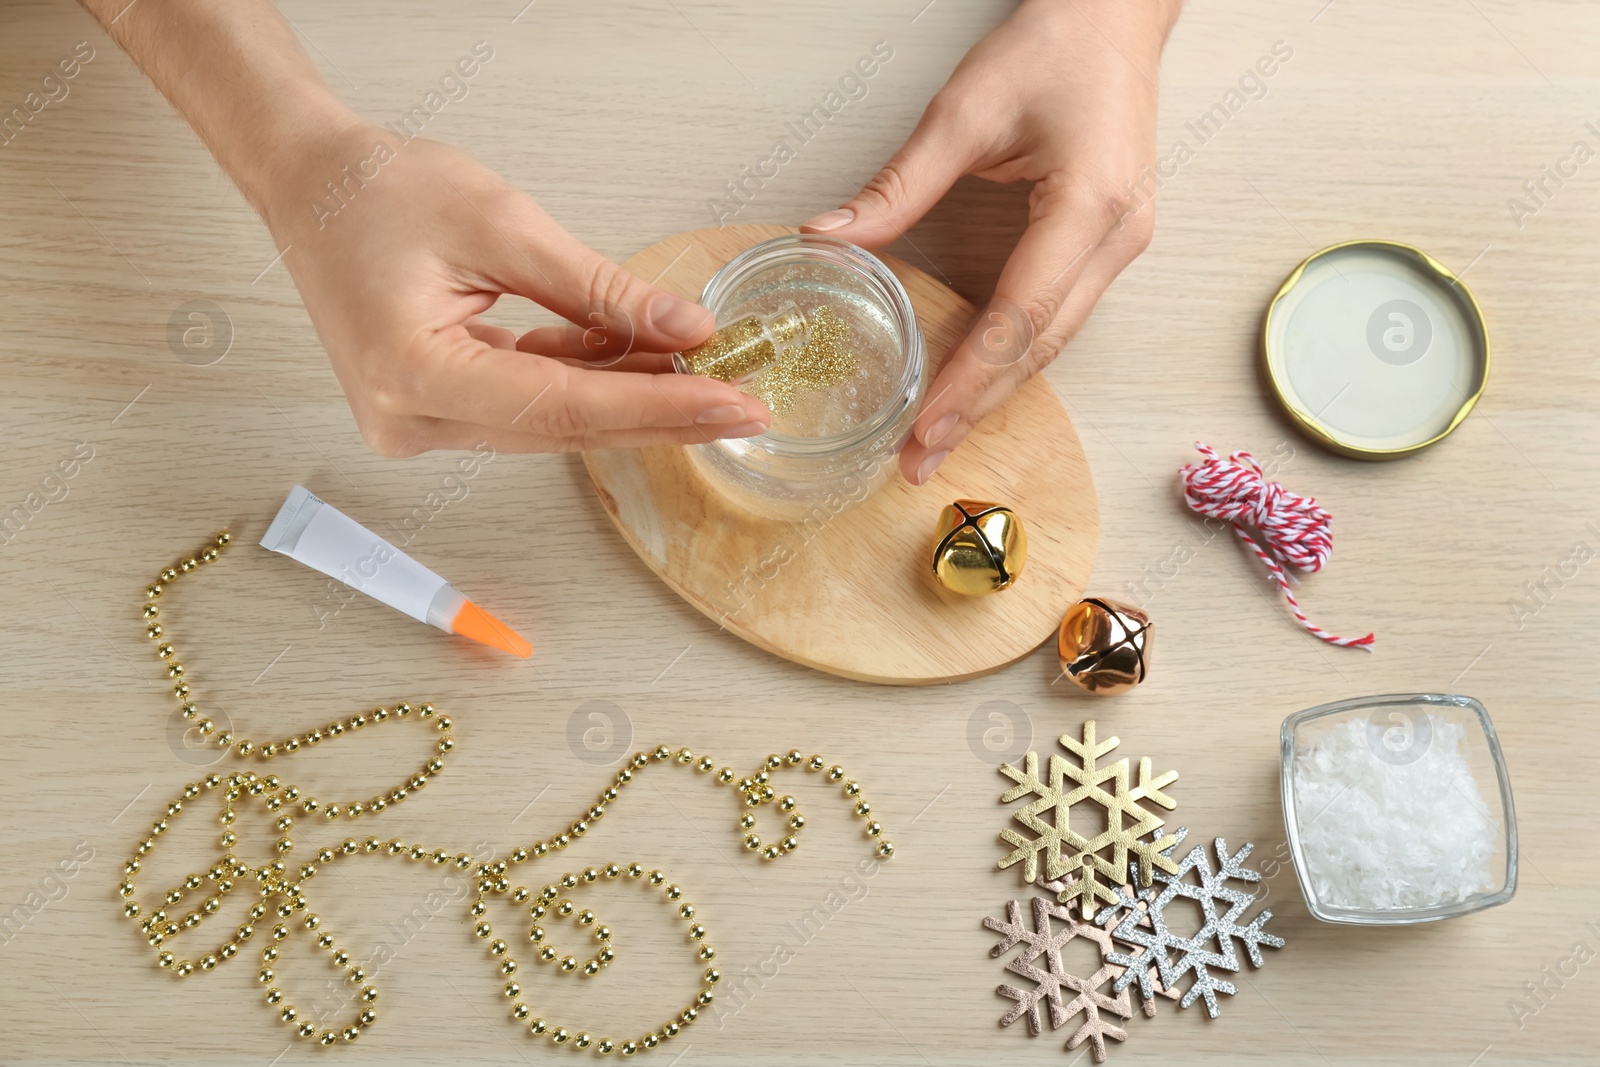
(1389, 797)
(832, 445)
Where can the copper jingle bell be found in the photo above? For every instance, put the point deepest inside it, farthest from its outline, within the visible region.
(980, 549)
(1104, 645)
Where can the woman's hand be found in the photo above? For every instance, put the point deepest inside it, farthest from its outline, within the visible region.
(414, 241)
(398, 245)
(1062, 94)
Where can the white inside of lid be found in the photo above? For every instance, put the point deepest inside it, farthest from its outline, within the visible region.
(1376, 348)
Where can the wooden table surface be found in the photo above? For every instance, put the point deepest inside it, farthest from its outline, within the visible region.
(1406, 120)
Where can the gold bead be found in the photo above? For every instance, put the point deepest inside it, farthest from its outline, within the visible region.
(152, 591)
(685, 756)
(790, 843)
(368, 1017)
(703, 767)
(188, 564)
(670, 1029)
(697, 931)
(863, 809)
(786, 803)
(629, 1048)
(583, 1040)
(771, 852)
(591, 967)
(874, 829)
(168, 574)
(208, 554)
(796, 821)
(604, 1046)
(752, 842)
(153, 631)
(835, 773)
(151, 611)
(222, 538)
(686, 911)
(511, 989)
(886, 850)
(852, 789)
(537, 1026)
(746, 821)
(351, 1033)
(569, 964)
(712, 976)
(650, 1040)
(559, 1035)
(707, 953)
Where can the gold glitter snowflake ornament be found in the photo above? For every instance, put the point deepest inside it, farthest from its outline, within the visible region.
(1098, 864)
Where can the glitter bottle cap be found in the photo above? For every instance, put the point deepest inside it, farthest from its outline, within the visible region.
(739, 351)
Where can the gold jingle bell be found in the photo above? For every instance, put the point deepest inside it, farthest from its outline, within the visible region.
(1104, 645)
(981, 548)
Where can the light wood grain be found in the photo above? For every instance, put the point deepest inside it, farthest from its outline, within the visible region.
(851, 591)
(1410, 120)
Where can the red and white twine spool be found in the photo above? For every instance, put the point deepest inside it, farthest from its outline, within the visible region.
(1295, 530)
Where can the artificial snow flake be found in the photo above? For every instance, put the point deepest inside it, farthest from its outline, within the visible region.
(1065, 851)
(1136, 906)
(1043, 939)
(1212, 946)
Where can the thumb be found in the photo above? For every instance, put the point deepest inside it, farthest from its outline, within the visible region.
(923, 170)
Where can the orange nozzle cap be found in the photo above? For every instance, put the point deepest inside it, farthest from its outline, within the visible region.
(472, 621)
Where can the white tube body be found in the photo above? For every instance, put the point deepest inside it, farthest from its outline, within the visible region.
(322, 537)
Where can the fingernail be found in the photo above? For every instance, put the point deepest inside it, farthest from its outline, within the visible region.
(744, 429)
(724, 413)
(678, 317)
(830, 220)
(940, 429)
(930, 465)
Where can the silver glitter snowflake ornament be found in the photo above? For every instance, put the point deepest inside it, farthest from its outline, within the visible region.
(1212, 947)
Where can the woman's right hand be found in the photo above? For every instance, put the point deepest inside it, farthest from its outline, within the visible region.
(413, 241)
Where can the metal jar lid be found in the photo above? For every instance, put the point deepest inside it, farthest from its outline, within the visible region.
(1375, 348)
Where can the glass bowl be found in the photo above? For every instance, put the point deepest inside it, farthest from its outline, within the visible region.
(1433, 757)
(837, 445)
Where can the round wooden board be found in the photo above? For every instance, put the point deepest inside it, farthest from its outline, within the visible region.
(855, 595)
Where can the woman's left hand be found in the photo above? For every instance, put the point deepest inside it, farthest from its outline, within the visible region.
(1062, 94)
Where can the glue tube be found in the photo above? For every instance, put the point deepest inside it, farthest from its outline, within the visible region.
(310, 531)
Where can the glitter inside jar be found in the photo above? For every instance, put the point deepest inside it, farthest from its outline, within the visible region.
(747, 347)
(844, 399)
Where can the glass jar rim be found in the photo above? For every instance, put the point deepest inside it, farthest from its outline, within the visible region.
(880, 281)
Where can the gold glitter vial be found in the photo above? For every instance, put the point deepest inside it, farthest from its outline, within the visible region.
(743, 349)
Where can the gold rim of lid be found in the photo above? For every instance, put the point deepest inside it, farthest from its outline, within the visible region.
(1313, 425)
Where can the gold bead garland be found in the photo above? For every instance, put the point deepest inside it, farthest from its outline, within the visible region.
(282, 900)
